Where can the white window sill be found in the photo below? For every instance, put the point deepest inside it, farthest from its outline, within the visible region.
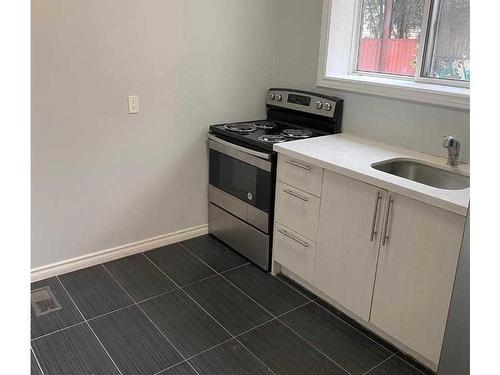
(440, 95)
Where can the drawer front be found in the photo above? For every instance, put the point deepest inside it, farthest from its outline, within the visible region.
(297, 210)
(249, 241)
(295, 252)
(299, 174)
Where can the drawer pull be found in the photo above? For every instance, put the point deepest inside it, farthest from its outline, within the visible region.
(374, 220)
(386, 230)
(295, 164)
(285, 233)
(294, 194)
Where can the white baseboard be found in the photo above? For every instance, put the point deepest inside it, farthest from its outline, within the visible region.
(107, 255)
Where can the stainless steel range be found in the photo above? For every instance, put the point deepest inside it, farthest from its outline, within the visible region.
(243, 166)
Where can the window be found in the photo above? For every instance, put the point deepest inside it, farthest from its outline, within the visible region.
(409, 49)
(447, 54)
(390, 36)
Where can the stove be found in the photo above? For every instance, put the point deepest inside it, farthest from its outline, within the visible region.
(242, 170)
(263, 134)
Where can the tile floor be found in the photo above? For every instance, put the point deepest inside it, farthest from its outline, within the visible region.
(197, 307)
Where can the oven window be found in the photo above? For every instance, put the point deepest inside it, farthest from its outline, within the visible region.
(236, 177)
(242, 180)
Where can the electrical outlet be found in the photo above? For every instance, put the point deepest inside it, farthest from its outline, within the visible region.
(133, 104)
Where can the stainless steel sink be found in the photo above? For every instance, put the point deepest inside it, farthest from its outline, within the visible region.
(423, 173)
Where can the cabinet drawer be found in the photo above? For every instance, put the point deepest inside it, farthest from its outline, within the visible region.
(295, 252)
(300, 174)
(297, 210)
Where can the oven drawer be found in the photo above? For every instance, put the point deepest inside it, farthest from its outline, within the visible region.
(295, 252)
(297, 210)
(300, 174)
(238, 208)
(242, 237)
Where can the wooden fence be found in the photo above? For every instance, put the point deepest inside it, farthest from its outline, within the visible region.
(399, 56)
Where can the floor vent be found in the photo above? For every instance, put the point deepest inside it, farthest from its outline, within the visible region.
(43, 301)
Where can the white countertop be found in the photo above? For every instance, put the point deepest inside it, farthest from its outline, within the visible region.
(353, 156)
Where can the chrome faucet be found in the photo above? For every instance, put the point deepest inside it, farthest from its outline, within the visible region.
(453, 147)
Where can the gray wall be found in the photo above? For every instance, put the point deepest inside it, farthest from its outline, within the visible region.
(415, 126)
(103, 178)
(455, 355)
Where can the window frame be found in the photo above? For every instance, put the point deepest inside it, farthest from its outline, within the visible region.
(441, 92)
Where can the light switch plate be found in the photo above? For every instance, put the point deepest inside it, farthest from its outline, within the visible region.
(133, 104)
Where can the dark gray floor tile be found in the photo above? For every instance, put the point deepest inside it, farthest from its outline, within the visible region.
(134, 343)
(231, 308)
(346, 346)
(73, 351)
(420, 367)
(333, 310)
(228, 358)
(180, 369)
(264, 288)
(286, 353)
(297, 287)
(94, 291)
(139, 277)
(64, 317)
(215, 253)
(394, 366)
(344, 317)
(190, 329)
(35, 369)
(179, 264)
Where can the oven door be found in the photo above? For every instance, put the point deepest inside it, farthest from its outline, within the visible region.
(240, 195)
(243, 173)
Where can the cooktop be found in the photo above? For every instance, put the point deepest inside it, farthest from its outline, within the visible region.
(262, 134)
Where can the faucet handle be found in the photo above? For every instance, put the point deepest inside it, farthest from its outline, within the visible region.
(450, 142)
(453, 147)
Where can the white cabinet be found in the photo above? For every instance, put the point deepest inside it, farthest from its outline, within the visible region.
(415, 273)
(296, 216)
(348, 241)
(295, 252)
(300, 174)
(297, 210)
(388, 259)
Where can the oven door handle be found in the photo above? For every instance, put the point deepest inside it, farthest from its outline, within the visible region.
(261, 155)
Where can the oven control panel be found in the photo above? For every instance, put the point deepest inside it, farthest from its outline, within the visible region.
(301, 101)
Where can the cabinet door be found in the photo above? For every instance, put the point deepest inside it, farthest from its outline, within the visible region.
(346, 256)
(415, 273)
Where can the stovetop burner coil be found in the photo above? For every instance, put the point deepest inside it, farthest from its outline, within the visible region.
(272, 138)
(297, 133)
(267, 125)
(246, 127)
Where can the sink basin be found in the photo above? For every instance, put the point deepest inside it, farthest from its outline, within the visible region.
(423, 173)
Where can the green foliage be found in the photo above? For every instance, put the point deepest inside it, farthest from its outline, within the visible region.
(451, 68)
(373, 14)
(406, 18)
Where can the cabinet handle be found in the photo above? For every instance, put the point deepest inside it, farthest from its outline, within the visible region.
(285, 233)
(375, 214)
(386, 230)
(295, 164)
(294, 194)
